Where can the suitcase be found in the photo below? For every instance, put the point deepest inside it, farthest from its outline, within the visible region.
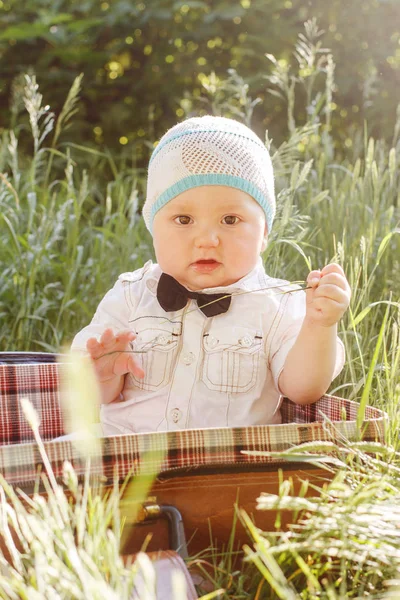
(199, 474)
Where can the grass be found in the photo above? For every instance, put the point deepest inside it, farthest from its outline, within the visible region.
(67, 545)
(68, 230)
(345, 543)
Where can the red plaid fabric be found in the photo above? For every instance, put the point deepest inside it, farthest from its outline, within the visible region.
(39, 383)
(330, 418)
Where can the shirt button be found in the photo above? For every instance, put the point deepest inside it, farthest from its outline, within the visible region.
(188, 358)
(246, 341)
(176, 415)
(163, 340)
(212, 341)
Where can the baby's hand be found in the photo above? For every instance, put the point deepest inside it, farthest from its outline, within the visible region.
(111, 355)
(329, 296)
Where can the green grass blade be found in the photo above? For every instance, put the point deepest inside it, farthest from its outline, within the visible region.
(371, 372)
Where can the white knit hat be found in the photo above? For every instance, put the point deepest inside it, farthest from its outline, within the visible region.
(209, 151)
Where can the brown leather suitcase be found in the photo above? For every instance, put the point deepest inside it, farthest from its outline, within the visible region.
(206, 503)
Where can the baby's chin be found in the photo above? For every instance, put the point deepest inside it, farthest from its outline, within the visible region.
(200, 281)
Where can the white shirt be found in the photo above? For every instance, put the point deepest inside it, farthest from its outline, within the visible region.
(201, 371)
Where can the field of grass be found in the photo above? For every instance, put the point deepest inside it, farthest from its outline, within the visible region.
(68, 230)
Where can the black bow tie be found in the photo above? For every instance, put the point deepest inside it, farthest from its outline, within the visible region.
(173, 296)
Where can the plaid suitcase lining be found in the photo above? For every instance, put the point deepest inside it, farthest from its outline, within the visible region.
(123, 455)
(38, 382)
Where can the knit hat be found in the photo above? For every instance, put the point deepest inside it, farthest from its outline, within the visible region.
(209, 151)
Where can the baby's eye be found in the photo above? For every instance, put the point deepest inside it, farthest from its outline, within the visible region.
(182, 219)
(230, 220)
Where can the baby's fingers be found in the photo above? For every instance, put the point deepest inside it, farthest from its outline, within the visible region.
(124, 337)
(110, 342)
(97, 348)
(332, 292)
(313, 278)
(333, 268)
(94, 348)
(107, 339)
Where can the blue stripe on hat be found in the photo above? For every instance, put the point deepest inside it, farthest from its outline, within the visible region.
(193, 181)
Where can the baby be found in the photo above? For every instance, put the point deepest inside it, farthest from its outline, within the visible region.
(205, 338)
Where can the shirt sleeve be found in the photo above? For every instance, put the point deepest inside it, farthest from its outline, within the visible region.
(286, 326)
(113, 312)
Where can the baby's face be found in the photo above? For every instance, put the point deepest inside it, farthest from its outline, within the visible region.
(209, 236)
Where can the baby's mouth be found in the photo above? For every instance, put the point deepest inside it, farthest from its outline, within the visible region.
(206, 261)
(205, 265)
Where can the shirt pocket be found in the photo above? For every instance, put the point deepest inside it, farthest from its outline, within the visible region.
(156, 345)
(231, 359)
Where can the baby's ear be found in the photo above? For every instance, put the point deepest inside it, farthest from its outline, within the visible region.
(264, 244)
(265, 240)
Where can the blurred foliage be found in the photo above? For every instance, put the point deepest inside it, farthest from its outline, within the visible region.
(147, 64)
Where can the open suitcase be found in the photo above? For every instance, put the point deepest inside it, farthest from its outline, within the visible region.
(203, 472)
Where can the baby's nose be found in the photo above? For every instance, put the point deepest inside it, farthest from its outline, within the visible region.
(207, 238)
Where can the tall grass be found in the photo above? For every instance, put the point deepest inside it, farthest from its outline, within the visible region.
(67, 545)
(345, 541)
(62, 239)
